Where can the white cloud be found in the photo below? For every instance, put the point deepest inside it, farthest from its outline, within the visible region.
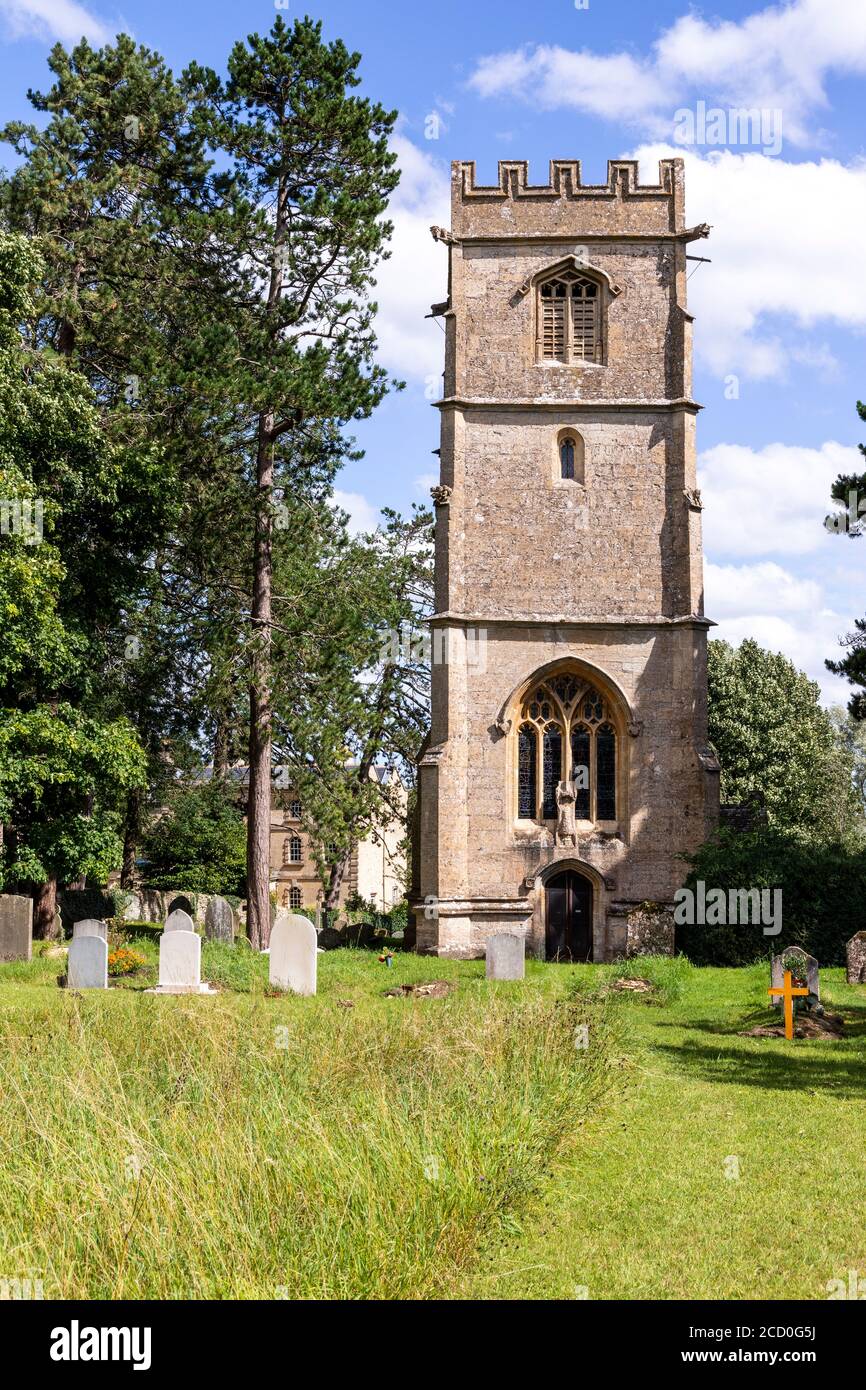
(770, 501)
(778, 58)
(415, 276)
(52, 19)
(362, 515)
(425, 481)
(782, 613)
(786, 241)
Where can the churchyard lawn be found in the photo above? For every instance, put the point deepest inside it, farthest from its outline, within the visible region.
(544, 1138)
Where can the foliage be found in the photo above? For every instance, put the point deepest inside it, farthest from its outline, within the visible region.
(774, 739)
(850, 522)
(823, 886)
(199, 844)
(124, 961)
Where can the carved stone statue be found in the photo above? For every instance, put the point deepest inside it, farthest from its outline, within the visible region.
(441, 494)
(565, 829)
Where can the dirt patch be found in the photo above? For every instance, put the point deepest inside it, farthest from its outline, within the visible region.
(805, 1026)
(634, 986)
(436, 989)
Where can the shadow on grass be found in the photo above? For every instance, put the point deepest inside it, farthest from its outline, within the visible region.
(825, 1065)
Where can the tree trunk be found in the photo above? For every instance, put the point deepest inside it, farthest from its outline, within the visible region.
(335, 880)
(45, 911)
(259, 801)
(130, 839)
(221, 748)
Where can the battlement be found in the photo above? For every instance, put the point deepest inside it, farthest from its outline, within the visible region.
(565, 206)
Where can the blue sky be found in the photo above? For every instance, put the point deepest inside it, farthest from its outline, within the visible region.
(780, 312)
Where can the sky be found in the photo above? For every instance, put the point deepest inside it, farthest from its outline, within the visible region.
(780, 310)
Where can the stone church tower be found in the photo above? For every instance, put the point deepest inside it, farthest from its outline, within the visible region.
(567, 766)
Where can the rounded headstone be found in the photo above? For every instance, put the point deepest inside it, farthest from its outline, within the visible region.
(87, 963)
(293, 954)
(506, 957)
(219, 921)
(90, 926)
(180, 961)
(179, 921)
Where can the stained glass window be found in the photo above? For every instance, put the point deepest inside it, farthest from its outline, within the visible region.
(527, 742)
(580, 772)
(552, 761)
(605, 755)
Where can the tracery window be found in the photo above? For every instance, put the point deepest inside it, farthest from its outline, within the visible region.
(569, 318)
(565, 729)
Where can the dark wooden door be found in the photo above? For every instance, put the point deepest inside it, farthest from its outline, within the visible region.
(569, 917)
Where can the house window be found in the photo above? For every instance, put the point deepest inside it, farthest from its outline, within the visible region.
(569, 319)
(292, 852)
(295, 810)
(567, 727)
(295, 896)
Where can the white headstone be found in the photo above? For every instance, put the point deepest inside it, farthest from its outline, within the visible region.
(179, 921)
(293, 954)
(87, 965)
(90, 927)
(180, 962)
(506, 957)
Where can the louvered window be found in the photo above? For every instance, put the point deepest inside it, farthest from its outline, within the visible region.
(569, 328)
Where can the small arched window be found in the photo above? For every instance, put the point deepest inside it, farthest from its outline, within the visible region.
(569, 319)
(572, 456)
(566, 458)
(295, 896)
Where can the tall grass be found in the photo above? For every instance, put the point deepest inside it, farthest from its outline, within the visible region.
(252, 1147)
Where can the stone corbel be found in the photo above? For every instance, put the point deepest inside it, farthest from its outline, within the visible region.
(441, 495)
(635, 728)
(501, 727)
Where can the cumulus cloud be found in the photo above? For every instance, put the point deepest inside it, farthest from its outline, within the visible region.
(779, 57)
(786, 250)
(51, 19)
(415, 276)
(362, 515)
(770, 501)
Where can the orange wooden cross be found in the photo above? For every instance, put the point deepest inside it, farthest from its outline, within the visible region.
(788, 992)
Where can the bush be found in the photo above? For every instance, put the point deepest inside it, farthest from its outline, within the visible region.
(823, 890)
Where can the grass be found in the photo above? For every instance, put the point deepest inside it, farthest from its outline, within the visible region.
(729, 1167)
(355, 1146)
(346, 1146)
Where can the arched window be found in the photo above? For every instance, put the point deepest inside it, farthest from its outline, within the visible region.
(569, 319)
(295, 896)
(566, 725)
(571, 452)
(292, 851)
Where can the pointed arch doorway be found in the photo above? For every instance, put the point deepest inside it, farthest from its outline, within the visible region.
(568, 917)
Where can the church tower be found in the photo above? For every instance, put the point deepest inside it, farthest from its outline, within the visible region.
(567, 767)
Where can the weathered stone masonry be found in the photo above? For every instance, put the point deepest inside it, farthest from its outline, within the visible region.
(597, 576)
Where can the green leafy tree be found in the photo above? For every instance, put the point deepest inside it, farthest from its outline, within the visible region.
(199, 842)
(775, 741)
(62, 764)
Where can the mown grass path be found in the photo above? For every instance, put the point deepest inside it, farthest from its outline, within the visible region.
(648, 1205)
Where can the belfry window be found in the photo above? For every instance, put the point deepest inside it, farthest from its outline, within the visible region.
(566, 728)
(569, 319)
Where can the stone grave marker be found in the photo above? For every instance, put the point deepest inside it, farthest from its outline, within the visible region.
(506, 957)
(180, 963)
(16, 927)
(855, 954)
(90, 927)
(219, 921)
(178, 920)
(799, 960)
(87, 963)
(293, 954)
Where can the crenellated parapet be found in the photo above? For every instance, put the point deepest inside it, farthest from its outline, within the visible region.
(565, 206)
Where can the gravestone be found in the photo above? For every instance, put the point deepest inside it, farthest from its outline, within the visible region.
(855, 953)
(90, 927)
(179, 920)
(16, 927)
(87, 963)
(799, 962)
(180, 904)
(506, 957)
(219, 921)
(293, 954)
(180, 963)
